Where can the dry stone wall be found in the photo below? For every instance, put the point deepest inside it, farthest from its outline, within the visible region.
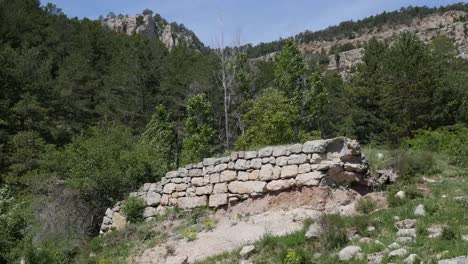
(220, 182)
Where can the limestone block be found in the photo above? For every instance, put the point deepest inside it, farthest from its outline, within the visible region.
(282, 161)
(253, 175)
(153, 198)
(317, 146)
(309, 179)
(169, 188)
(294, 149)
(217, 200)
(214, 178)
(181, 187)
(297, 159)
(227, 176)
(266, 173)
(182, 172)
(195, 172)
(208, 162)
(304, 168)
(265, 152)
(250, 155)
(255, 164)
(204, 190)
(171, 174)
(220, 188)
(165, 199)
(220, 167)
(243, 176)
(234, 156)
(192, 202)
(247, 187)
(149, 212)
(197, 181)
(279, 185)
(279, 151)
(289, 171)
(241, 164)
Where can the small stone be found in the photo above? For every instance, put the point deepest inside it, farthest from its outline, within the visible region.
(365, 240)
(282, 161)
(313, 232)
(375, 258)
(411, 259)
(411, 232)
(106, 220)
(400, 195)
(398, 253)
(405, 224)
(246, 251)
(243, 176)
(349, 253)
(204, 190)
(109, 213)
(199, 181)
(405, 240)
(394, 245)
(153, 198)
(435, 231)
(370, 229)
(256, 164)
(241, 164)
(420, 211)
(169, 188)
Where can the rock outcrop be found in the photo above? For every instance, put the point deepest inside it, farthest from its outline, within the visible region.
(220, 182)
(170, 34)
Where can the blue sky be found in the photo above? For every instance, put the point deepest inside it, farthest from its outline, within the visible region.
(253, 20)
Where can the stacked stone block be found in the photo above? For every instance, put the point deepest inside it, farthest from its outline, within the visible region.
(218, 182)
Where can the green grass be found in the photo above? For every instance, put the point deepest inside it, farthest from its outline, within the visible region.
(452, 212)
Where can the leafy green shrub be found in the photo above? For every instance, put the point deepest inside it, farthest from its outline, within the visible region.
(366, 205)
(334, 232)
(190, 234)
(450, 141)
(133, 209)
(410, 163)
(292, 258)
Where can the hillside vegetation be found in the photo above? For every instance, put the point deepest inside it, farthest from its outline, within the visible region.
(88, 114)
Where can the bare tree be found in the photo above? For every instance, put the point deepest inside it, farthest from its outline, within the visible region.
(226, 77)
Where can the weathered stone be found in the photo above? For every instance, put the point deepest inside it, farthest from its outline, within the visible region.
(106, 220)
(195, 172)
(265, 160)
(289, 171)
(375, 258)
(177, 180)
(240, 155)
(209, 170)
(118, 221)
(192, 202)
(224, 159)
(253, 175)
(231, 165)
(234, 156)
(241, 164)
(404, 240)
(227, 176)
(411, 232)
(204, 190)
(282, 161)
(109, 213)
(182, 172)
(250, 155)
(178, 194)
(255, 164)
(407, 223)
(220, 167)
(265, 152)
(243, 176)
(164, 199)
(321, 167)
(279, 185)
(411, 259)
(401, 252)
(420, 211)
(394, 245)
(317, 146)
(208, 162)
(294, 149)
(349, 253)
(309, 179)
(313, 232)
(354, 167)
(191, 192)
(171, 174)
(246, 187)
(218, 200)
(220, 188)
(214, 178)
(246, 251)
(266, 173)
(176, 260)
(169, 188)
(181, 187)
(297, 159)
(457, 260)
(207, 179)
(153, 198)
(279, 151)
(400, 195)
(149, 212)
(304, 168)
(197, 181)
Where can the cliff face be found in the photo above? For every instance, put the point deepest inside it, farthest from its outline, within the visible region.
(450, 24)
(154, 27)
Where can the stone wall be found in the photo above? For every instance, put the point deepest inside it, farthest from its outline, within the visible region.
(220, 182)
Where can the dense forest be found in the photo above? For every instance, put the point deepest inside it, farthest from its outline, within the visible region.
(88, 114)
(349, 29)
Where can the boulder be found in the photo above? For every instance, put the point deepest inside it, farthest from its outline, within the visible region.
(405, 224)
(411, 232)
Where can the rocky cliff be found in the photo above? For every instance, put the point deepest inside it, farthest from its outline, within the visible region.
(220, 182)
(154, 27)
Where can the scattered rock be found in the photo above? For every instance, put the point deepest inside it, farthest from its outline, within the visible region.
(401, 252)
(370, 229)
(405, 240)
(405, 224)
(400, 195)
(411, 232)
(375, 258)
(246, 251)
(394, 245)
(349, 253)
(314, 231)
(457, 260)
(420, 211)
(365, 240)
(465, 237)
(435, 231)
(411, 259)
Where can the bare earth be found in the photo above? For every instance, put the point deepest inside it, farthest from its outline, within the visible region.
(248, 221)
